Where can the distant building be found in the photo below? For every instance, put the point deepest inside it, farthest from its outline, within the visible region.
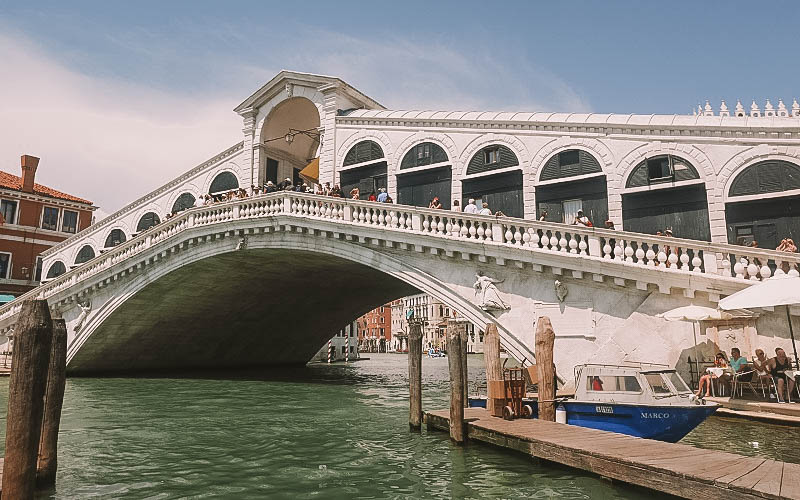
(399, 327)
(34, 218)
(375, 330)
(343, 345)
(434, 315)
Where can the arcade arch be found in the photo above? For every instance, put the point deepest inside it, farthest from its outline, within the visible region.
(663, 192)
(56, 269)
(147, 221)
(572, 180)
(183, 202)
(763, 204)
(425, 172)
(494, 176)
(289, 140)
(85, 254)
(114, 238)
(364, 167)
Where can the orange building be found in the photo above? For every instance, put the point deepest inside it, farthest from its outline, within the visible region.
(375, 330)
(33, 218)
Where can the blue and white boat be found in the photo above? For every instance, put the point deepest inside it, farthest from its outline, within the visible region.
(435, 353)
(643, 400)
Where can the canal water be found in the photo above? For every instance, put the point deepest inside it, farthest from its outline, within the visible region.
(320, 431)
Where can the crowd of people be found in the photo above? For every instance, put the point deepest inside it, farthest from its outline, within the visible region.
(760, 369)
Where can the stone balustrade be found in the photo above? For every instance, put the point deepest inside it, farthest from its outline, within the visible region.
(673, 255)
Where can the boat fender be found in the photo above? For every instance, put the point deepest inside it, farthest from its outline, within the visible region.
(561, 414)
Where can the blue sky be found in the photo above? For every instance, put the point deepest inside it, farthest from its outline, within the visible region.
(133, 93)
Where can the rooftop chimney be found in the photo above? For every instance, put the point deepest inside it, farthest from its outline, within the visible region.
(29, 164)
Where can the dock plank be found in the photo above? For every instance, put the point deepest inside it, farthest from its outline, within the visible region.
(677, 469)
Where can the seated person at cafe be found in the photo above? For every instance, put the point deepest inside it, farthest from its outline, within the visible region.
(719, 362)
(778, 366)
(761, 364)
(739, 365)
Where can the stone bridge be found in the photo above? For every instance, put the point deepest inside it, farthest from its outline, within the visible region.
(268, 279)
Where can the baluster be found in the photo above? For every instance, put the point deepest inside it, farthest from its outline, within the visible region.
(487, 233)
(684, 260)
(650, 255)
(739, 268)
(402, 220)
(440, 226)
(662, 259)
(573, 244)
(752, 270)
(629, 253)
(582, 246)
(477, 230)
(509, 234)
(426, 225)
(526, 238)
(562, 243)
(535, 239)
(553, 242)
(517, 237)
(765, 272)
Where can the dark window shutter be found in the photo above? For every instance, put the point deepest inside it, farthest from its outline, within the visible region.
(224, 181)
(656, 170)
(570, 163)
(478, 163)
(416, 156)
(362, 152)
(770, 176)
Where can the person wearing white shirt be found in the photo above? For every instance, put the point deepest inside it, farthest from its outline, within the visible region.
(471, 208)
(485, 210)
(456, 206)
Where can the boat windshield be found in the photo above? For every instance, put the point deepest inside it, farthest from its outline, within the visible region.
(678, 382)
(657, 383)
(612, 383)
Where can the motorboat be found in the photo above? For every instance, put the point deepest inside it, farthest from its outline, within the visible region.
(639, 399)
(435, 353)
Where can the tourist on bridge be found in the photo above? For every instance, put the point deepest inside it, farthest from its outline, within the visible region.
(485, 210)
(355, 193)
(543, 216)
(372, 197)
(435, 203)
(471, 208)
(582, 220)
(382, 195)
(455, 207)
(610, 225)
(389, 199)
(337, 192)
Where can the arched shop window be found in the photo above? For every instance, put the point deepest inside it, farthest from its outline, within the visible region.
(371, 174)
(771, 176)
(184, 201)
(57, 269)
(569, 164)
(660, 169)
(426, 153)
(363, 152)
(223, 182)
(85, 254)
(492, 157)
(147, 221)
(114, 238)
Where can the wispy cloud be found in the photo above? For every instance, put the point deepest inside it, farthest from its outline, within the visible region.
(111, 138)
(101, 139)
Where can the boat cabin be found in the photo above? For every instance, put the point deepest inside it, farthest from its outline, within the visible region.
(640, 383)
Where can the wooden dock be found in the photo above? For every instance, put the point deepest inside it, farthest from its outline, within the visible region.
(677, 469)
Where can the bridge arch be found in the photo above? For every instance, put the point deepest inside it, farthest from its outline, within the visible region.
(365, 165)
(390, 278)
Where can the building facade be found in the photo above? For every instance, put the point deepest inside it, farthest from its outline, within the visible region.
(399, 327)
(342, 347)
(435, 315)
(375, 330)
(34, 218)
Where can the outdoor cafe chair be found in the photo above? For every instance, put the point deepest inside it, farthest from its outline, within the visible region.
(755, 379)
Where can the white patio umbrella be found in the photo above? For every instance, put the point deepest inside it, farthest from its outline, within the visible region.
(780, 290)
(695, 314)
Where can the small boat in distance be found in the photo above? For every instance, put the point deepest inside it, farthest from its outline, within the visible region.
(435, 353)
(639, 399)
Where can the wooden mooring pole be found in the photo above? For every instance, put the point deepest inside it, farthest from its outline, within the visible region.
(33, 335)
(415, 375)
(455, 332)
(53, 401)
(545, 337)
(494, 371)
(464, 367)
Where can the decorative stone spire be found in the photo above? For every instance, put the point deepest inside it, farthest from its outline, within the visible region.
(769, 110)
(739, 108)
(754, 109)
(699, 109)
(795, 108)
(707, 110)
(723, 109)
(782, 109)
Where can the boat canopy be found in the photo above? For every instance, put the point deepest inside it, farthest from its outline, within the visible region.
(640, 383)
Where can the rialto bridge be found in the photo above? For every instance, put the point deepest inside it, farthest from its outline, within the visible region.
(269, 278)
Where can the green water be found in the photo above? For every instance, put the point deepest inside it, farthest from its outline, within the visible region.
(315, 432)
